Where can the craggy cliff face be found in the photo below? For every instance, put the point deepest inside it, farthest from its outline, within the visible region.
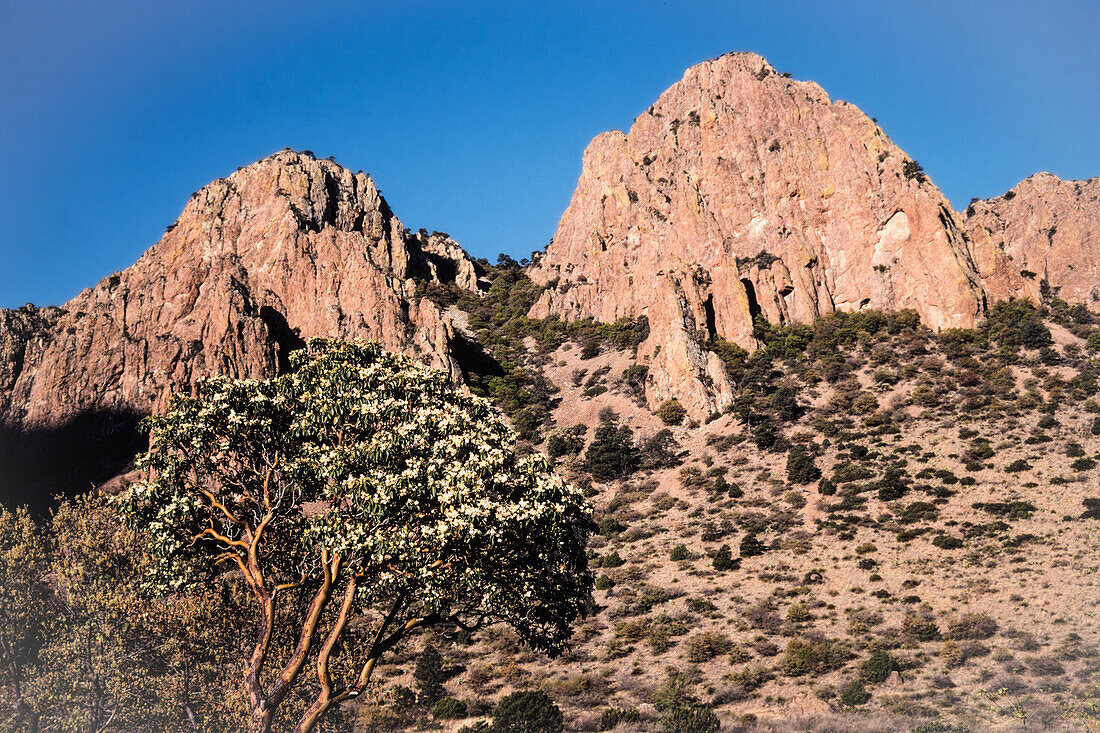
(283, 250)
(739, 192)
(1045, 228)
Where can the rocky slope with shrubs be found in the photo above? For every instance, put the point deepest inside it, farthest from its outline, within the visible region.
(889, 529)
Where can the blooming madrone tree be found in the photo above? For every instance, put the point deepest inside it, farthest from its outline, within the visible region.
(363, 498)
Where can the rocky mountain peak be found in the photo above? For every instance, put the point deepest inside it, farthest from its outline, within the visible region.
(282, 250)
(742, 192)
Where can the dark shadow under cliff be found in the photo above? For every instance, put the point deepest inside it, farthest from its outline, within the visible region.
(37, 465)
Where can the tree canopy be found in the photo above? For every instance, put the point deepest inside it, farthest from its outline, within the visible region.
(360, 485)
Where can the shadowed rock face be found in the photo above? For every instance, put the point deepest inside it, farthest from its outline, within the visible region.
(741, 191)
(283, 250)
(1045, 228)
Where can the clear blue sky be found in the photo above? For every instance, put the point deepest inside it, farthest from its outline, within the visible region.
(472, 116)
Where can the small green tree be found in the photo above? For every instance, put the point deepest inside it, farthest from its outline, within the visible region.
(358, 485)
(612, 454)
(530, 711)
(801, 468)
(428, 674)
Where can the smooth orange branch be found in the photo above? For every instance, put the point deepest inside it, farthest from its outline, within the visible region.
(213, 533)
(220, 507)
(293, 667)
(290, 586)
(267, 482)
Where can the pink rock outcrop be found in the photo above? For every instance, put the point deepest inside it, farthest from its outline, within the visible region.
(742, 191)
(1045, 229)
(283, 250)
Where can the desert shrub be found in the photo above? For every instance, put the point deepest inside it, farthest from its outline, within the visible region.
(1092, 508)
(951, 655)
(947, 542)
(1083, 464)
(798, 613)
(854, 694)
(677, 691)
(918, 511)
(691, 478)
(611, 560)
(660, 451)
(603, 583)
(612, 454)
(449, 708)
(751, 546)
(892, 485)
(938, 726)
(530, 711)
(877, 667)
(633, 379)
(609, 526)
(567, 441)
(767, 436)
(971, 625)
(429, 675)
(1017, 466)
(679, 552)
(724, 560)
(1007, 509)
(801, 468)
(611, 717)
(825, 487)
(671, 412)
(920, 627)
(813, 656)
(863, 404)
(693, 719)
(706, 645)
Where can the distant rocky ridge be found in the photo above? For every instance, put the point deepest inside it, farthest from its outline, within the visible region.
(1045, 228)
(283, 250)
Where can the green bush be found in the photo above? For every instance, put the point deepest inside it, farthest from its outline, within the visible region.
(801, 468)
(679, 552)
(671, 412)
(612, 454)
(877, 667)
(609, 526)
(611, 560)
(706, 645)
(567, 441)
(530, 711)
(854, 694)
(611, 717)
(971, 625)
(724, 560)
(751, 546)
(660, 451)
(920, 627)
(448, 708)
(813, 656)
(694, 719)
(603, 583)
(429, 676)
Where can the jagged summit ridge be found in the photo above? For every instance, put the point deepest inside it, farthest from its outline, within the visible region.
(1044, 228)
(744, 192)
(282, 250)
